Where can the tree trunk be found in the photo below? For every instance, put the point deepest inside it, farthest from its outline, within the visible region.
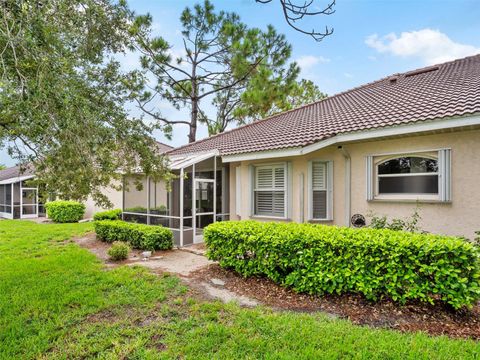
(194, 114)
(193, 122)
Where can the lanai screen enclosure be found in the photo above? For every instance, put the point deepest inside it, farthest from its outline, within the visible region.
(18, 199)
(198, 196)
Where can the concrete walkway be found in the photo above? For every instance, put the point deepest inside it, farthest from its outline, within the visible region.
(181, 262)
(176, 261)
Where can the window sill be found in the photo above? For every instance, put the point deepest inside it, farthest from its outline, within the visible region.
(409, 201)
(319, 221)
(273, 218)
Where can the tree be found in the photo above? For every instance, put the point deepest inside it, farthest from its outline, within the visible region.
(267, 87)
(261, 98)
(305, 92)
(294, 12)
(62, 96)
(221, 56)
(2, 167)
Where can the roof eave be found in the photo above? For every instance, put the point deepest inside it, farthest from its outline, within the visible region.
(16, 179)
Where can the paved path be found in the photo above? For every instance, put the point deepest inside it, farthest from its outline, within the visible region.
(182, 262)
(176, 261)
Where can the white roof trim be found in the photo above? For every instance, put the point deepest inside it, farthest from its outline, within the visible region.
(440, 124)
(178, 162)
(16, 179)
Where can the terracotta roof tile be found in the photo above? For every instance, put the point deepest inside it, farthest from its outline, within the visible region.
(445, 90)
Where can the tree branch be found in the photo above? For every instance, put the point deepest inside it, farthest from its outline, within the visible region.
(293, 12)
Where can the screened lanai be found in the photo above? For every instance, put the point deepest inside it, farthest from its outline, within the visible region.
(197, 197)
(18, 197)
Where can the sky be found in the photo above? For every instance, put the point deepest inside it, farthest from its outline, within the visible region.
(372, 39)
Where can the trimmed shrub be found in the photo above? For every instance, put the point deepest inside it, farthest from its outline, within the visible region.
(62, 211)
(114, 214)
(118, 251)
(319, 259)
(139, 236)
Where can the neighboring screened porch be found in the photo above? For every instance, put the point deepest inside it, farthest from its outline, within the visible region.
(19, 199)
(184, 211)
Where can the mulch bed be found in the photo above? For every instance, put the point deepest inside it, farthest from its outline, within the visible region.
(432, 319)
(99, 248)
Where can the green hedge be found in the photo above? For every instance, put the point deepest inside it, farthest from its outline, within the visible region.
(320, 259)
(139, 236)
(62, 211)
(114, 214)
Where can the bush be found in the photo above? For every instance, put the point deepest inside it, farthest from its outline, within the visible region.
(119, 251)
(62, 211)
(139, 236)
(409, 224)
(319, 259)
(476, 240)
(114, 214)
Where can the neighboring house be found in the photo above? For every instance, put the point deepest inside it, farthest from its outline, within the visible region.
(20, 201)
(118, 198)
(383, 147)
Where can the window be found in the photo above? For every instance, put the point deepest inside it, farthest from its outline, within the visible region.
(270, 191)
(408, 175)
(6, 198)
(320, 190)
(424, 176)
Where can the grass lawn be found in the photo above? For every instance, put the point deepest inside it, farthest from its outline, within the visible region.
(58, 301)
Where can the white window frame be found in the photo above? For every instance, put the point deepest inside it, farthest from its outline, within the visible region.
(273, 189)
(328, 189)
(443, 174)
(238, 191)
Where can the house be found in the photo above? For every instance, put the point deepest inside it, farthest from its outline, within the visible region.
(19, 200)
(384, 147)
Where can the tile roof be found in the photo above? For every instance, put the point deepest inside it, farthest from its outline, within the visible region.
(435, 92)
(14, 172)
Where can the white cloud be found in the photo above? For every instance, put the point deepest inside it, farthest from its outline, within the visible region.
(348, 75)
(307, 62)
(431, 46)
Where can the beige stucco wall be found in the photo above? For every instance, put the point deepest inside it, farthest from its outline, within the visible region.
(133, 197)
(460, 217)
(114, 196)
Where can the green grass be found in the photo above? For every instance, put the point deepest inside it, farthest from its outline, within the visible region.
(50, 289)
(58, 301)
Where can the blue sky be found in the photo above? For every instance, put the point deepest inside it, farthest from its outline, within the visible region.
(372, 39)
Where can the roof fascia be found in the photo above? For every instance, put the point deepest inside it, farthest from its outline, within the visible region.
(16, 179)
(193, 159)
